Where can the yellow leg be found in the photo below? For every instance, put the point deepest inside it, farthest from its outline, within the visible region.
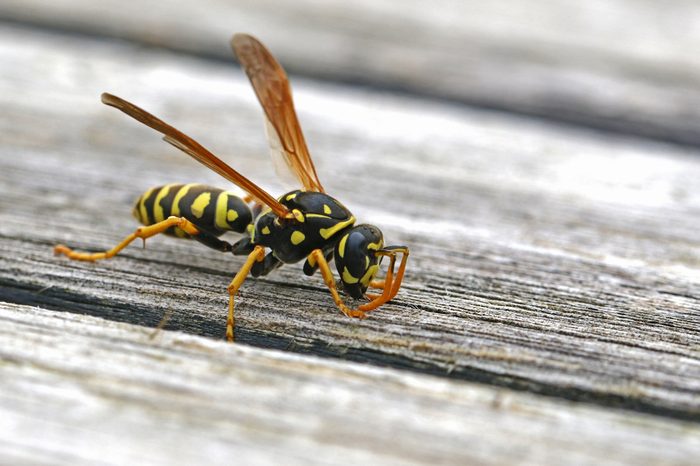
(386, 285)
(317, 257)
(377, 284)
(141, 232)
(402, 268)
(390, 285)
(257, 255)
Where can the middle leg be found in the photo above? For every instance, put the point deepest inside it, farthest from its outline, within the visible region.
(257, 255)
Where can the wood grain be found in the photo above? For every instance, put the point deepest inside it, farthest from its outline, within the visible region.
(545, 259)
(99, 392)
(619, 65)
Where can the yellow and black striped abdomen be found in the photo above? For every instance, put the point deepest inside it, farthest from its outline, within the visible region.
(211, 209)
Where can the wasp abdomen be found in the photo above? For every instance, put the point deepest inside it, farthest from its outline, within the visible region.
(211, 209)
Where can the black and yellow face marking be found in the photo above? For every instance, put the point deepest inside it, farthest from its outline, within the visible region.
(356, 258)
(317, 220)
(211, 209)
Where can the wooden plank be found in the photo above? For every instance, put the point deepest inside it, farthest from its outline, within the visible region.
(621, 65)
(543, 259)
(76, 389)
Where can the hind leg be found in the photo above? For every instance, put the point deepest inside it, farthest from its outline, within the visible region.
(141, 232)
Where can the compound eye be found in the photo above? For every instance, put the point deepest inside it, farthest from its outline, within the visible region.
(356, 258)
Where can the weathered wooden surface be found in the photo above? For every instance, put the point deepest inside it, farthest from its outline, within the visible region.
(544, 259)
(623, 65)
(98, 392)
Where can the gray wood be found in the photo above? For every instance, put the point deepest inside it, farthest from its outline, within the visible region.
(81, 390)
(623, 65)
(543, 259)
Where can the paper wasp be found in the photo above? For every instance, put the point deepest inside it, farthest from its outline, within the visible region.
(303, 224)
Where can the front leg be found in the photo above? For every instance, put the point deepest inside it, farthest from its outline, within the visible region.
(390, 285)
(318, 260)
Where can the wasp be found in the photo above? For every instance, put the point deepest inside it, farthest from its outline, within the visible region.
(304, 224)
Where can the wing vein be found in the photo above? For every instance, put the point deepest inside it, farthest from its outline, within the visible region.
(195, 150)
(271, 86)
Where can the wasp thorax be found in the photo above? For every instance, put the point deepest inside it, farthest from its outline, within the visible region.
(356, 258)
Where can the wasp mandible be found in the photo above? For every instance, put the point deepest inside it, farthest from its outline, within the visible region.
(305, 223)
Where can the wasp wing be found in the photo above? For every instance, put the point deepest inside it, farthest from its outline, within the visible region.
(195, 150)
(271, 85)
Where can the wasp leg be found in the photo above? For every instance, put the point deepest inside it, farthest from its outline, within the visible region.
(141, 232)
(211, 241)
(243, 247)
(379, 284)
(386, 285)
(317, 258)
(390, 285)
(257, 255)
(403, 250)
(310, 266)
(266, 266)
